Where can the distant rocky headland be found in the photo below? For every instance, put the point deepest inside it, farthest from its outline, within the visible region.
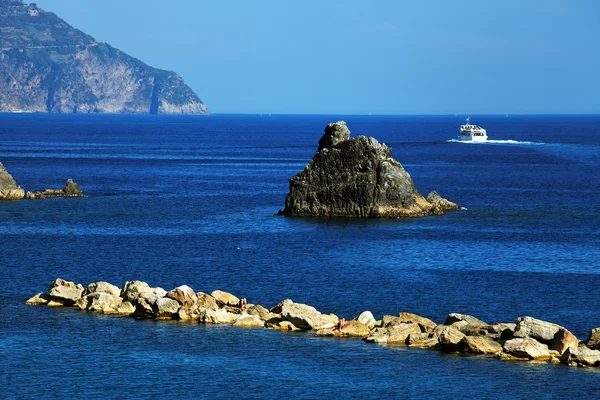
(9, 190)
(357, 178)
(527, 339)
(46, 65)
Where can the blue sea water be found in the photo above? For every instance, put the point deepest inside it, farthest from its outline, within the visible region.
(192, 200)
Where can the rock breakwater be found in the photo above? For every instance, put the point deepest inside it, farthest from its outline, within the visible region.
(357, 178)
(527, 339)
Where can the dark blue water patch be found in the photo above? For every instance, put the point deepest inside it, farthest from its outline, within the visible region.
(109, 355)
(188, 200)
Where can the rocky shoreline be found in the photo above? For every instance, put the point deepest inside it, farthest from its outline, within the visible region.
(9, 190)
(527, 339)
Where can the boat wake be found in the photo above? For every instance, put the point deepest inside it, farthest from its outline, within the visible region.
(509, 142)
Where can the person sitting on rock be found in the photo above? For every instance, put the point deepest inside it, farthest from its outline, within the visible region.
(342, 324)
(240, 304)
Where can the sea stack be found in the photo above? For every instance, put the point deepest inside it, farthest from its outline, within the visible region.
(8, 187)
(358, 178)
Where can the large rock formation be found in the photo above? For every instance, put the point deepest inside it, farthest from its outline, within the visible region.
(356, 177)
(46, 65)
(8, 187)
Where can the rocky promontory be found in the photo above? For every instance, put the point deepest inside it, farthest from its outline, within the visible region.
(46, 65)
(357, 177)
(525, 339)
(8, 187)
(9, 190)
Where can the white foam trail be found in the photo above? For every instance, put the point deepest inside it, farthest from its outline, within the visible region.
(509, 141)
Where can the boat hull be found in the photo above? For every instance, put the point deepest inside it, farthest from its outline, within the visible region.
(469, 138)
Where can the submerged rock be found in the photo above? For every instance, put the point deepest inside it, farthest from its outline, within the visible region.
(356, 177)
(40, 299)
(248, 321)
(440, 205)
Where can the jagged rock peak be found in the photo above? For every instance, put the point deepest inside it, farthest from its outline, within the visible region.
(6, 179)
(335, 133)
(356, 177)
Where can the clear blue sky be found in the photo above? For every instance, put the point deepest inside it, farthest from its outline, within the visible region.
(361, 57)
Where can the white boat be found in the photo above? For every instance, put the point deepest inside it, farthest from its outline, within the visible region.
(472, 133)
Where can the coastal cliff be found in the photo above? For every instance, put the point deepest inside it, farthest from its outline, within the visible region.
(46, 65)
(357, 177)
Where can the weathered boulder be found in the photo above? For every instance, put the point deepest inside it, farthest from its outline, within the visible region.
(220, 316)
(72, 189)
(224, 298)
(593, 341)
(8, 187)
(581, 356)
(260, 311)
(306, 317)
(422, 340)
(277, 309)
(40, 299)
(440, 205)
(100, 302)
(65, 290)
(425, 324)
(145, 302)
(182, 294)
(535, 328)
(464, 322)
(132, 289)
(165, 308)
(188, 310)
(204, 300)
(526, 348)
(102, 287)
(125, 308)
(355, 328)
(479, 345)
(393, 333)
(353, 177)
(448, 336)
(563, 339)
(249, 321)
(497, 331)
(367, 319)
(55, 302)
(281, 325)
